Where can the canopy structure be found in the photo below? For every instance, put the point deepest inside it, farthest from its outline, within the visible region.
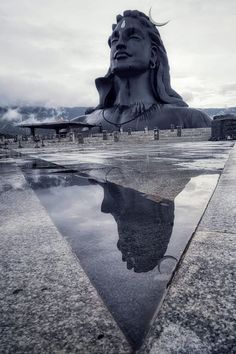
(57, 126)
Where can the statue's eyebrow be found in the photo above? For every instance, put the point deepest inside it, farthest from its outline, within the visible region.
(128, 32)
(134, 30)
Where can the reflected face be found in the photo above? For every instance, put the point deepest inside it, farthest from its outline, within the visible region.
(144, 226)
(130, 48)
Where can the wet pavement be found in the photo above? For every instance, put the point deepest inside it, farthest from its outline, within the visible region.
(128, 214)
(121, 238)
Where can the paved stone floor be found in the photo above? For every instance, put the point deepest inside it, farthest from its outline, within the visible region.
(49, 301)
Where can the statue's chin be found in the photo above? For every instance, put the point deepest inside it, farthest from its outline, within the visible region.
(128, 70)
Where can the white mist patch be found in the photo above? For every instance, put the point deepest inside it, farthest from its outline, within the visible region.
(32, 119)
(12, 115)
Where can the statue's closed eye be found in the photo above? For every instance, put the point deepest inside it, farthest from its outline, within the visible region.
(114, 40)
(135, 36)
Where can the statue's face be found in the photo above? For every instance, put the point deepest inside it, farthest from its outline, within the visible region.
(130, 48)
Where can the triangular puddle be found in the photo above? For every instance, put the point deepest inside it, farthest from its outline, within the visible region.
(127, 244)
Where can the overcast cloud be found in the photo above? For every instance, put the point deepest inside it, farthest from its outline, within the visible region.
(52, 50)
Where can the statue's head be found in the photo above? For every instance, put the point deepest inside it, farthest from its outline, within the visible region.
(136, 47)
(132, 49)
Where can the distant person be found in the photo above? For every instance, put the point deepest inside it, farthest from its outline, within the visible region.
(136, 92)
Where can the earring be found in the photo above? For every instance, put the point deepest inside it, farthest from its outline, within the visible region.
(152, 65)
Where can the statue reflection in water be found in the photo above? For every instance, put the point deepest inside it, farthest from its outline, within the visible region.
(144, 226)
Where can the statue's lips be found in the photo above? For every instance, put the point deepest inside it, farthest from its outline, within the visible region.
(121, 55)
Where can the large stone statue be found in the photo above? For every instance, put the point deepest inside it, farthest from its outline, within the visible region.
(136, 92)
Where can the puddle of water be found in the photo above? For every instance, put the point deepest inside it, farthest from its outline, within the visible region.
(127, 244)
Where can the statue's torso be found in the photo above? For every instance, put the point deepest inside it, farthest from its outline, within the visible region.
(161, 117)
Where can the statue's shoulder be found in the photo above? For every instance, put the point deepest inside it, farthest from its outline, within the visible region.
(199, 118)
(189, 117)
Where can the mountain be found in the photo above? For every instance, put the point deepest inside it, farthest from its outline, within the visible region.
(9, 116)
(218, 111)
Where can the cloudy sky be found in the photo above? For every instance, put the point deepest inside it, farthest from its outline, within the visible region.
(52, 50)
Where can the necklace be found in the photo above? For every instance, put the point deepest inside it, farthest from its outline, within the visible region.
(119, 125)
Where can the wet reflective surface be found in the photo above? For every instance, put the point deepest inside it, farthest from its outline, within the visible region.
(127, 243)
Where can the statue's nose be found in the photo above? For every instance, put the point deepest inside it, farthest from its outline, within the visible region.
(120, 43)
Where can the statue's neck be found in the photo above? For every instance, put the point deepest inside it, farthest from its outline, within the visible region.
(133, 89)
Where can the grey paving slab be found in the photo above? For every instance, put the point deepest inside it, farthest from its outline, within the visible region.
(157, 169)
(47, 303)
(198, 314)
(221, 213)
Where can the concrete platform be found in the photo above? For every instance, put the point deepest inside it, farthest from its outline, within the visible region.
(198, 314)
(49, 305)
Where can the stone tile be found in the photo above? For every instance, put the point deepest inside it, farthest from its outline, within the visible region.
(198, 313)
(221, 213)
(48, 304)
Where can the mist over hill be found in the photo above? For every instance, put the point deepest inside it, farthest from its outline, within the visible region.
(10, 116)
(218, 111)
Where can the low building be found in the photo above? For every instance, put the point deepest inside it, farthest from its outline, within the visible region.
(223, 127)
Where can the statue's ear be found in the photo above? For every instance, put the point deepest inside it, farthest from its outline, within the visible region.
(154, 54)
(104, 86)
